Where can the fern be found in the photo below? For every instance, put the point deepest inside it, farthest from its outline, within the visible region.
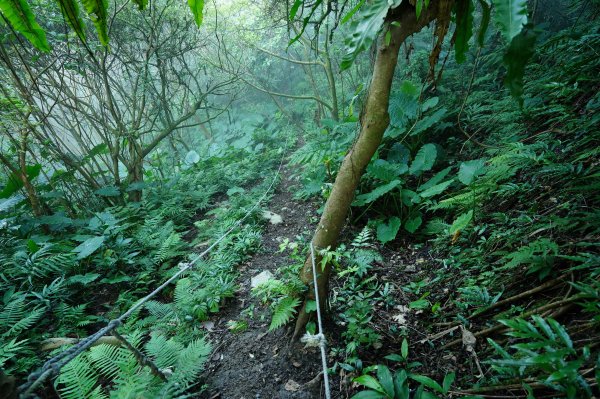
(26, 322)
(10, 349)
(78, 380)
(364, 238)
(283, 312)
(164, 352)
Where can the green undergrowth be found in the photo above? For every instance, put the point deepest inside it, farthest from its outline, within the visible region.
(493, 209)
(66, 275)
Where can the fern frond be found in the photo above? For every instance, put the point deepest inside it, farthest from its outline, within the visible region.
(78, 380)
(283, 312)
(164, 352)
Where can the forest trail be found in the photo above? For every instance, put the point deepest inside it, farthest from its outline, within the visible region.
(257, 363)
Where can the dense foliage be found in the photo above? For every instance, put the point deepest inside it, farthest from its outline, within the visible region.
(131, 140)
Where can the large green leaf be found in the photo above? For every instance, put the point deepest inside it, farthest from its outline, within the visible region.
(510, 16)
(436, 189)
(386, 171)
(369, 382)
(464, 29)
(424, 159)
(469, 169)
(18, 13)
(97, 11)
(15, 183)
(435, 179)
(375, 194)
(519, 52)
(365, 28)
(70, 10)
(88, 247)
(413, 223)
(384, 375)
(387, 231)
(197, 7)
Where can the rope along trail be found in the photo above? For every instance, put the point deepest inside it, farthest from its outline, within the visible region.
(320, 336)
(52, 367)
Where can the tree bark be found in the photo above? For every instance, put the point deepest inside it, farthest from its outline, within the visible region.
(374, 121)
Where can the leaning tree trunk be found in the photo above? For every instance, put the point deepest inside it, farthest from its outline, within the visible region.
(374, 121)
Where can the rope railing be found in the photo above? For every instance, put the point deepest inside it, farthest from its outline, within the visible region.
(320, 335)
(52, 367)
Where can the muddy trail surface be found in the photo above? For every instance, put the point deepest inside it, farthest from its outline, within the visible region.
(256, 363)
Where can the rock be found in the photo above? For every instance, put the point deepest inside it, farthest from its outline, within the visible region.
(272, 217)
(261, 278)
(291, 386)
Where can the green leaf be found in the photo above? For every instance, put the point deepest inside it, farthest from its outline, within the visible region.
(510, 16)
(394, 357)
(400, 383)
(426, 381)
(369, 382)
(387, 232)
(485, 21)
(294, 9)
(448, 380)
(435, 179)
(97, 10)
(83, 278)
(561, 332)
(385, 378)
(108, 191)
(419, 304)
(469, 169)
(197, 7)
(520, 50)
(413, 223)
(368, 395)
(15, 183)
(464, 29)
(437, 189)
(351, 12)
(461, 222)
(424, 159)
(375, 194)
(428, 121)
(88, 247)
(142, 4)
(18, 13)
(364, 30)
(386, 171)
(70, 10)
(404, 349)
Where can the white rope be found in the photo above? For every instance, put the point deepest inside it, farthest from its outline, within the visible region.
(320, 336)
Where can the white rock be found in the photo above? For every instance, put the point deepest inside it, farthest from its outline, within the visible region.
(261, 278)
(272, 217)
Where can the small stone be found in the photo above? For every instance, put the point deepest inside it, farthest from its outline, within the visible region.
(261, 278)
(272, 217)
(296, 363)
(410, 268)
(291, 386)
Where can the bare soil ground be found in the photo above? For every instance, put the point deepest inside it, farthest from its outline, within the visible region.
(256, 363)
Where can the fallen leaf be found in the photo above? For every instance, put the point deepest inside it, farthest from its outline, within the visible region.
(209, 325)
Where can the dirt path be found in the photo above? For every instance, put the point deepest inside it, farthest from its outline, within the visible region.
(255, 363)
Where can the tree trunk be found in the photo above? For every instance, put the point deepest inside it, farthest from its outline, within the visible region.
(374, 121)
